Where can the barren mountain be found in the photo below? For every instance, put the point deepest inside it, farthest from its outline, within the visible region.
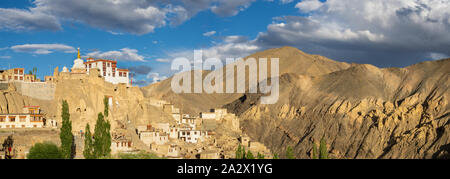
(360, 110)
(291, 60)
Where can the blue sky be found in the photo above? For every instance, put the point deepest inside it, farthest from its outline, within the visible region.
(144, 35)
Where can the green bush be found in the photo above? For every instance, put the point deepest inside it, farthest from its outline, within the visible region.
(45, 150)
(290, 153)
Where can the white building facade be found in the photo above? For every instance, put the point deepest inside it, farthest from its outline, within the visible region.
(31, 118)
(192, 136)
(108, 69)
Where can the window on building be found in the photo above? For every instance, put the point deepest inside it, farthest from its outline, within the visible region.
(15, 78)
(2, 118)
(12, 119)
(125, 74)
(21, 78)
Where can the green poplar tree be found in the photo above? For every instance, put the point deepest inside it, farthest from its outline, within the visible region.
(88, 144)
(239, 152)
(98, 136)
(315, 153)
(105, 102)
(323, 149)
(107, 138)
(249, 155)
(66, 135)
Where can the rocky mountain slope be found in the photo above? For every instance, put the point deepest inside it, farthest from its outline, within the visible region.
(291, 60)
(360, 110)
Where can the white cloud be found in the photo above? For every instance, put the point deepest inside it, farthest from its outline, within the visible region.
(235, 39)
(210, 33)
(25, 20)
(286, 1)
(230, 7)
(125, 54)
(309, 5)
(5, 57)
(115, 16)
(381, 32)
(438, 56)
(43, 48)
(163, 60)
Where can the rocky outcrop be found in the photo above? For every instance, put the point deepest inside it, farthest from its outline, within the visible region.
(362, 112)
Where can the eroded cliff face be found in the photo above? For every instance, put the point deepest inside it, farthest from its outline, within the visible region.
(12, 101)
(85, 98)
(85, 95)
(362, 112)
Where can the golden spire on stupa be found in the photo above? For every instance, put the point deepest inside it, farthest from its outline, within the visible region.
(79, 57)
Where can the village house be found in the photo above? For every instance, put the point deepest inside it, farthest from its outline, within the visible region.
(49, 79)
(153, 136)
(120, 144)
(191, 121)
(173, 151)
(217, 114)
(162, 126)
(14, 74)
(30, 118)
(29, 78)
(192, 136)
(173, 132)
(245, 141)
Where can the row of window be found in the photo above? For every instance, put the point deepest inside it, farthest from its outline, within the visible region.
(123, 144)
(17, 71)
(14, 126)
(21, 119)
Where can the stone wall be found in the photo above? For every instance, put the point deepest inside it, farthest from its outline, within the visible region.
(37, 90)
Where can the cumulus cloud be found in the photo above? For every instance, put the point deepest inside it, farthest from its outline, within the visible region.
(210, 33)
(5, 57)
(230, 7)
(138, 17)
(380, 32)
(235, 39)
(114, 16)
(309, 5)
(125, 54)
(43, 48)
(25, 20)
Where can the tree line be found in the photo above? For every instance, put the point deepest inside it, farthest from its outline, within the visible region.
(97, 145)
